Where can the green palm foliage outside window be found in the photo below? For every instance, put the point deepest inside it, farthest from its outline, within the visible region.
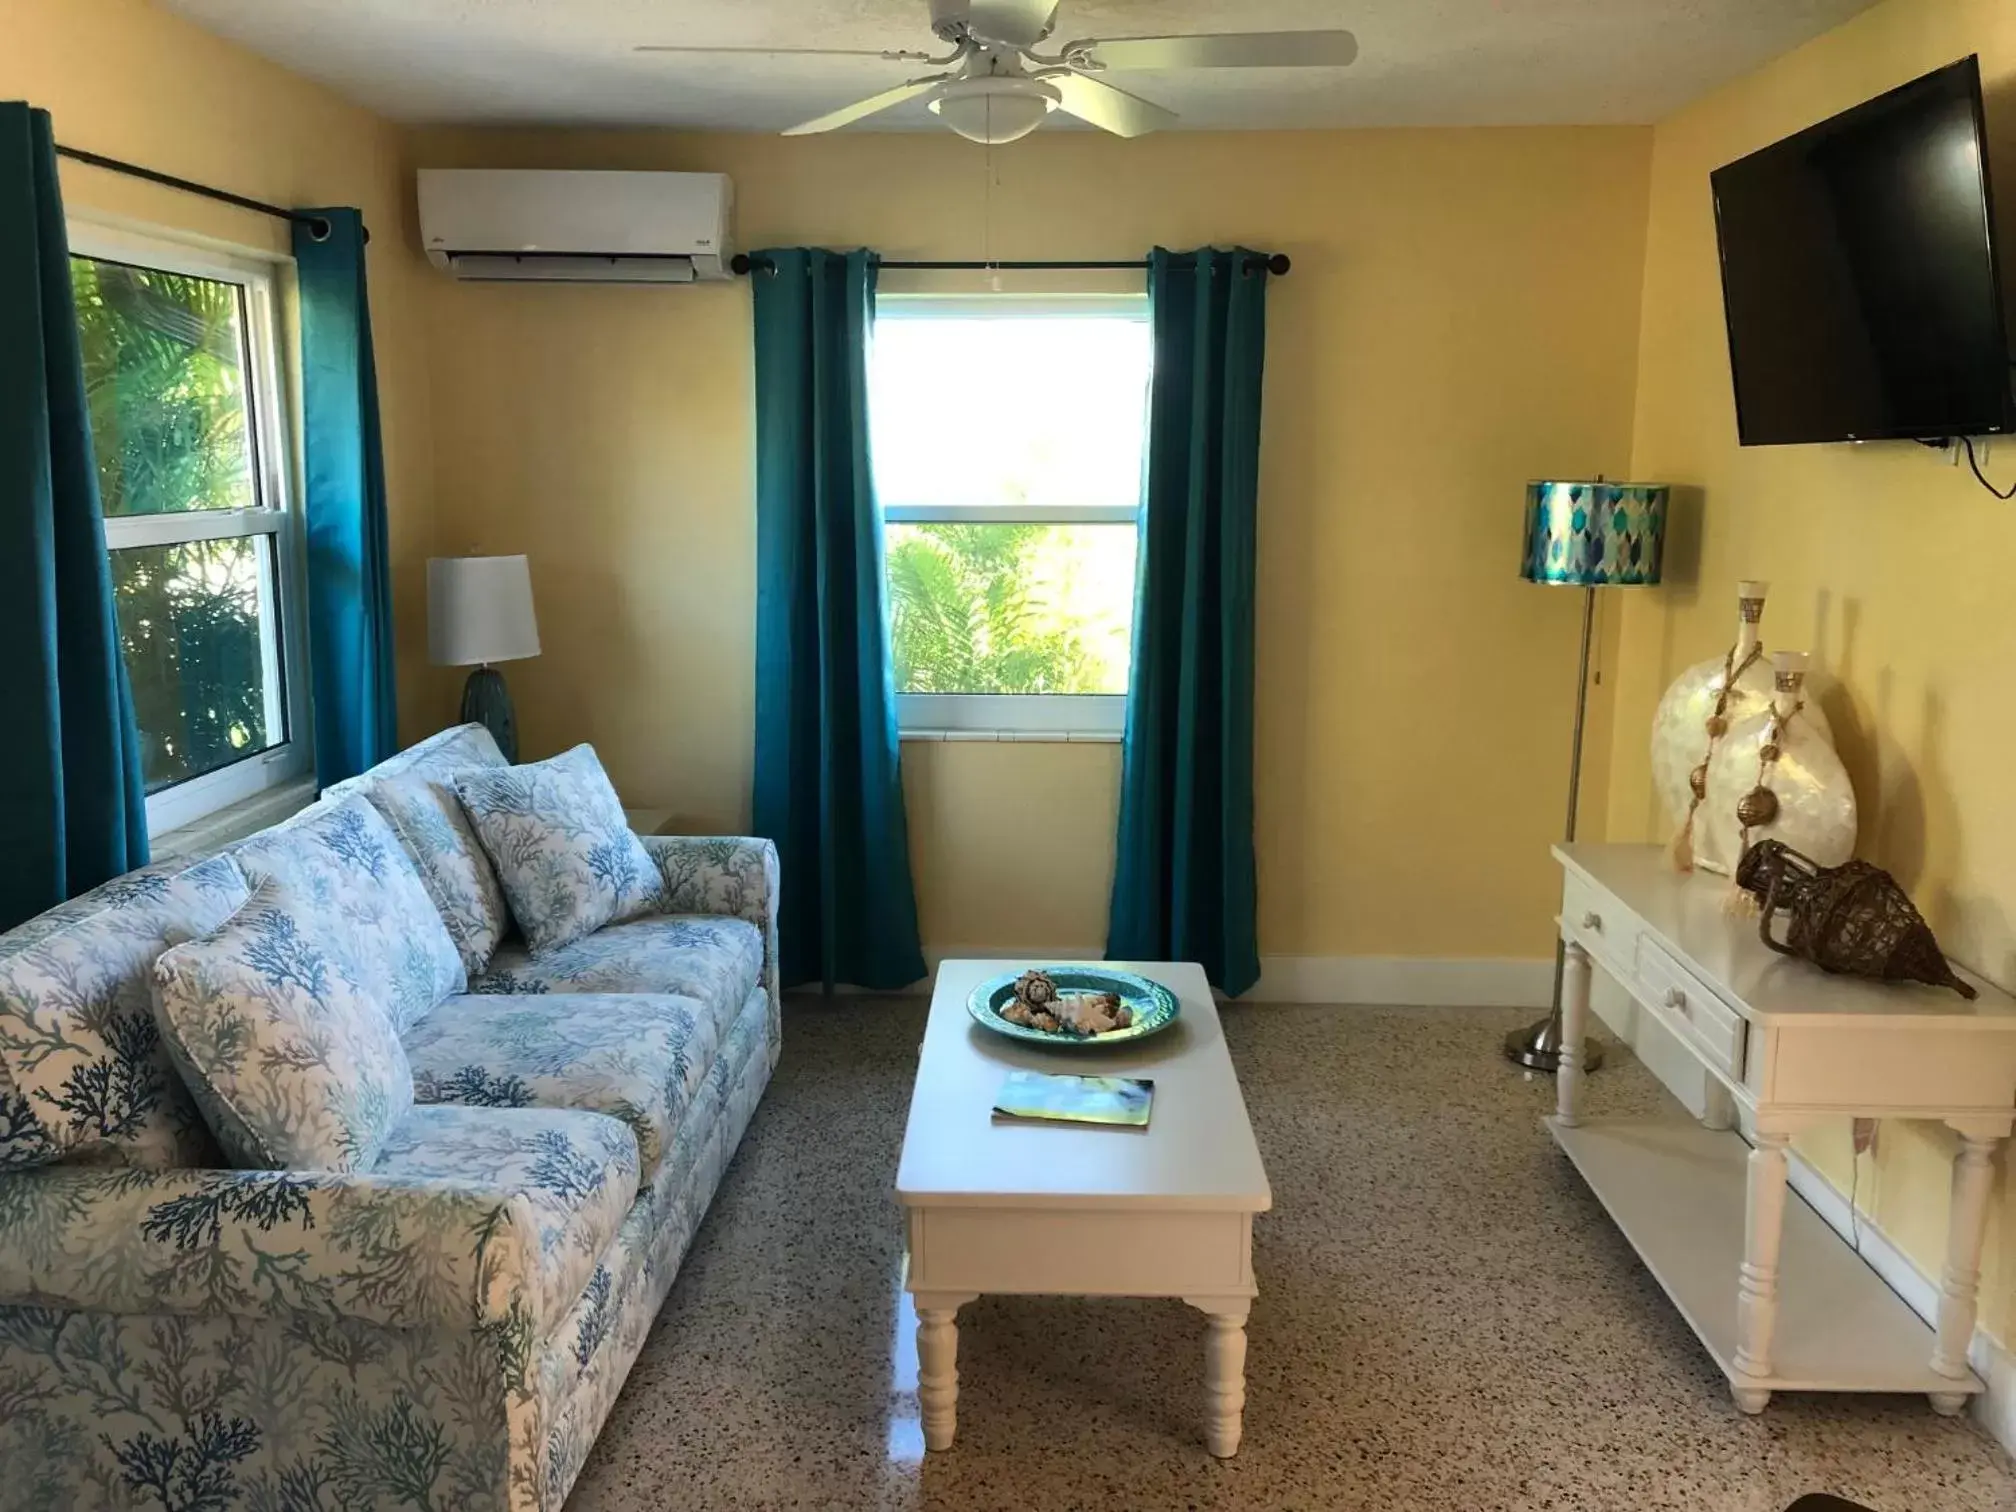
(1007, 608)
(166, 379)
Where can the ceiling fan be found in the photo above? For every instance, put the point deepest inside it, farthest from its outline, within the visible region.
(995, 86)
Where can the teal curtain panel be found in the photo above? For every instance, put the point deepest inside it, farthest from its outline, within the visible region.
(828, 790)
(349, 561)
(1183, 884)
(75, 812)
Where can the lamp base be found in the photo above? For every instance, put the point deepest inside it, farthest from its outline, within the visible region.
(1538, 1047)
(486, 701)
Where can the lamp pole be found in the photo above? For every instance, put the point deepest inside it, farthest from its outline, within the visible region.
(1539, 1047)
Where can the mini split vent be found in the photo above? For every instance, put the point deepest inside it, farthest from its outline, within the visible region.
(538, 226)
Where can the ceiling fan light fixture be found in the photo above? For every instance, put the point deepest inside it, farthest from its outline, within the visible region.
(995, 108)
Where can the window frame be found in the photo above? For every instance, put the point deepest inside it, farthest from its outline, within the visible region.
(269, 376)
(1014, 716)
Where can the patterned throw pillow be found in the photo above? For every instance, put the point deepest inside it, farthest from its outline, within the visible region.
(295, 1065)
(393, 946)
(563, 850)
(428, 819)
(82, 1071)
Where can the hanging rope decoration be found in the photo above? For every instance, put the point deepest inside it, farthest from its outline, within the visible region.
(1758, 807)
(1681, 849)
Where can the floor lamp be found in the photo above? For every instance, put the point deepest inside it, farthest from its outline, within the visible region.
(1585, 535)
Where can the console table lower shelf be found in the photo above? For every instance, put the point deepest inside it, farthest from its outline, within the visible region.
(1677, 1190)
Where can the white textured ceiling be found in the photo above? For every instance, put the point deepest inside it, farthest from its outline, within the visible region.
(1422, 62)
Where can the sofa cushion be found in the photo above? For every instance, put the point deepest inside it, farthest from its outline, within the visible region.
(705, 956)
(82, 1070)
(393, 947)
(556, 832)
(635, 1056)
(120, 889)
(441, 754)
(577, 1171)
(292, 1061)
(428, 819)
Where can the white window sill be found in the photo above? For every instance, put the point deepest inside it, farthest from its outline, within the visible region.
(1037, 737)
(233, 822)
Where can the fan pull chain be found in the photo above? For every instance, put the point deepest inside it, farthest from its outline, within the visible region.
(987, 205)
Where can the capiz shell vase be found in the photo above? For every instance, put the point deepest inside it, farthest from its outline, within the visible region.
(1681, 737)
(1806, 799)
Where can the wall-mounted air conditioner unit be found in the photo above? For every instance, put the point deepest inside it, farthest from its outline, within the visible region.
(534, 225)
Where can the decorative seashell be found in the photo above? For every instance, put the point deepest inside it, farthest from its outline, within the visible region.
(1035, 988)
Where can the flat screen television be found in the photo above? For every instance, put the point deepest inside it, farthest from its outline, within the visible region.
(1859, 275)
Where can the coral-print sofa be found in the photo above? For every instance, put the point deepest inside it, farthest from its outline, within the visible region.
(445, 1329)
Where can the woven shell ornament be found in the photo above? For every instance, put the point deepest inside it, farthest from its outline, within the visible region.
(1852, 920)
(1036, 989)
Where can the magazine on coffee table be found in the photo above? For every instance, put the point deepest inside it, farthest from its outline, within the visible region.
(1117, 1101)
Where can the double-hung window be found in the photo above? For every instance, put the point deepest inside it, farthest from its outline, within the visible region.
(183, 378)
(1007, 437)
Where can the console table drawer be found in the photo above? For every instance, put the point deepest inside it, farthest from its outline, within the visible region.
(1599, 921)
(1715, 1029)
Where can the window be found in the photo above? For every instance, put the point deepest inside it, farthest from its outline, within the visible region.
(182, 377)
(1007, 437)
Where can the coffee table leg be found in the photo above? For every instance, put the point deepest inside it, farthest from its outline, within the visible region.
(938, 1364)
(1224, 1371)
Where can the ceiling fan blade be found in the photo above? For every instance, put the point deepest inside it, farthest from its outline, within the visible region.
(1018, 23)
(892, 55)
(847, 115)
(1108, 108)
(1297, 49)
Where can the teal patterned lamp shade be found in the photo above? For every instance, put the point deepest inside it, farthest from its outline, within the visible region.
(1592, 534)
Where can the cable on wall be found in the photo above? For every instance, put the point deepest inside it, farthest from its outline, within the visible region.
(1981, 477)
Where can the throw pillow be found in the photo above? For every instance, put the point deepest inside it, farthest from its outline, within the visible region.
(394, 946)
(82, 1070)
(428, 819)
(292, 1061)
(563, 850)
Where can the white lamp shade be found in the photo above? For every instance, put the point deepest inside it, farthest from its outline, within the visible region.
(479, 610)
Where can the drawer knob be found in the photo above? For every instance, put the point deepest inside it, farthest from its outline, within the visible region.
(1592, 920)
(1676, 999)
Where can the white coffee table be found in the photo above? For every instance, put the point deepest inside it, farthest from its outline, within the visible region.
(1165, 1212)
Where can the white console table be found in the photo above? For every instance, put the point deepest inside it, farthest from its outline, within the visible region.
(1780, 1301)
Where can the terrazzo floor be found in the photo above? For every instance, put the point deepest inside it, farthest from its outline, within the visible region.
(1446, 1320)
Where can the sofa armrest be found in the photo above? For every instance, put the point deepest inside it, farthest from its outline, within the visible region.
(727, 875)
(401, 1253)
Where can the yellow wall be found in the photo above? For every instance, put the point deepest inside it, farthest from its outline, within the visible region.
(123, 78)
(1892, 567)
(1462, 315)
(1465, 312)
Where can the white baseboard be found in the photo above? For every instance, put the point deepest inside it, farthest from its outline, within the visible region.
(1993, 1361)
(1371, 981)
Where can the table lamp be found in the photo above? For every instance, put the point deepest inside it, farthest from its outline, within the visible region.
(1586, 535)
(479, 611)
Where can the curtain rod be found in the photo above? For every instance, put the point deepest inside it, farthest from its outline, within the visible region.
(318, 227)
(1277, 264)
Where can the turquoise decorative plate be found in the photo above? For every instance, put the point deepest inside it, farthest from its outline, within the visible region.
(1154, 1006)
